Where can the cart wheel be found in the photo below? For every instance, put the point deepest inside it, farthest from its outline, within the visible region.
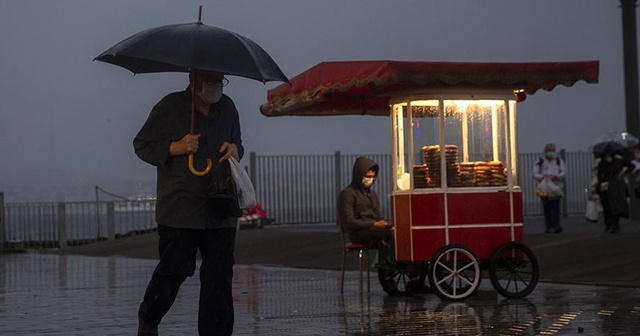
(402, 279)
(454, 272)
(513, 270)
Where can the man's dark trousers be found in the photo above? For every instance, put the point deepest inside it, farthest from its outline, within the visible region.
(551, 212)
(178, 249)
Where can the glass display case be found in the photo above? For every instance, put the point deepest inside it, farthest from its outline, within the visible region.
(476, 131)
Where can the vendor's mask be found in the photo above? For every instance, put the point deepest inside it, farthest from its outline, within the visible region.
(608, 158)
(367, 181)
(211, 94)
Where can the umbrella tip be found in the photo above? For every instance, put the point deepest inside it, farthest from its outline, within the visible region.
(200, 14)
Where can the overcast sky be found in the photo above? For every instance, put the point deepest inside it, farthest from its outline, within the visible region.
(65, 119)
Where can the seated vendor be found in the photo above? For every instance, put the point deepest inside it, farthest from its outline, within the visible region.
(359, 210)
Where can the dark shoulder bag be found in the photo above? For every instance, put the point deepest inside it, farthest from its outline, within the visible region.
(222, 193)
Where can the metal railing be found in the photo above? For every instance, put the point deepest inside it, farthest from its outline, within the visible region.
(291, 188)
(303, 189)
(62, 224)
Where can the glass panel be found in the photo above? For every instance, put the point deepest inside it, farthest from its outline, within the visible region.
(401, 144)
(513, 144)
(475, 138)
(426, 136)
(476, 135)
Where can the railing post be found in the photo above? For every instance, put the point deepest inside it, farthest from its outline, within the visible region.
(338, 164)
(252, 170)
(62, 225)
(565, 210)
(111, 221)
(2, 228)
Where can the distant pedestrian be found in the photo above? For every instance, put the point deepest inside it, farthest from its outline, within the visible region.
(612, 188)
(551, 169)
(636, 171)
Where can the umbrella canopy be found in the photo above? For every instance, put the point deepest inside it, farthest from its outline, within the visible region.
(621, 142)
(190, 47)
(183, 47)
(364, 87)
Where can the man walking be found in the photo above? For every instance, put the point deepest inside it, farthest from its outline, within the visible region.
(188, 222)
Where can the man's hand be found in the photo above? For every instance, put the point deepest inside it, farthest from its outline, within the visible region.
(381, 224)
(552, 177)
(229, 150)
(187, 145)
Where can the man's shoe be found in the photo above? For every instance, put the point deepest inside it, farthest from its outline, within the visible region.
(558, 230)
(145, 329)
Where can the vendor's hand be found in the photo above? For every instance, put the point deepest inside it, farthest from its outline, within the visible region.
(187, 145)
(229, 150)
(552, 177)
(381, 224)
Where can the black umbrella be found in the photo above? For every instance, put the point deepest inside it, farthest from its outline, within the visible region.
(620, 143)
(191, 47)
(188, 46)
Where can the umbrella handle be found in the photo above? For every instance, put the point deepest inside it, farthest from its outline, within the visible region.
(199, 173)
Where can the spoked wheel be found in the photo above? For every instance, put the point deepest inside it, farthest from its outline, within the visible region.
(401, 279)
(513, 270)
(454, 272)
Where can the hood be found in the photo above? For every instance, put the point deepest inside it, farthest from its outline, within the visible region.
(360, 167)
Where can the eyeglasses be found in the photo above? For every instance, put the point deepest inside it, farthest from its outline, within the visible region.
(223, 81)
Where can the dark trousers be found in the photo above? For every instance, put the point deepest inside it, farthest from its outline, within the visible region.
(611, 222)
(551, 208)
(178, 249)
(371, 236)
(374, 237)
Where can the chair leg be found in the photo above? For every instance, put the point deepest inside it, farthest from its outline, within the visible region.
(342, 273)
(360, 256)
(368, 272)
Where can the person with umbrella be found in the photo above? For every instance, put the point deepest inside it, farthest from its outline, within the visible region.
(198, 129)
(612, 188)
(636, 171)
(186, 221)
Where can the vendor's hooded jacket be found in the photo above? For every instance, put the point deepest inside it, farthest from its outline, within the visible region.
(359, 207)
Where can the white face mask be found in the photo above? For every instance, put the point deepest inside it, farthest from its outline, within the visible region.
(608, 159)
(210, 94)
(367, 181)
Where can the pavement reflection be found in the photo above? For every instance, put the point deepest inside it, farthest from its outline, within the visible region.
(76, 295)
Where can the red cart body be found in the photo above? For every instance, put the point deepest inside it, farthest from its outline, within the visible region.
(479, 220)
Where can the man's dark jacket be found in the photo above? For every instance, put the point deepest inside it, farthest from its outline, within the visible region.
(182, 196)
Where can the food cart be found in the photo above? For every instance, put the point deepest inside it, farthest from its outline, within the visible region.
(456, 201)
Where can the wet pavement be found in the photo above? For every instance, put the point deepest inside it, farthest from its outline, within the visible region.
(44, 294)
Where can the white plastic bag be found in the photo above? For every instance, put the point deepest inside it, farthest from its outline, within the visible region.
(244, 187)
(591, 213)
(546, 188)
